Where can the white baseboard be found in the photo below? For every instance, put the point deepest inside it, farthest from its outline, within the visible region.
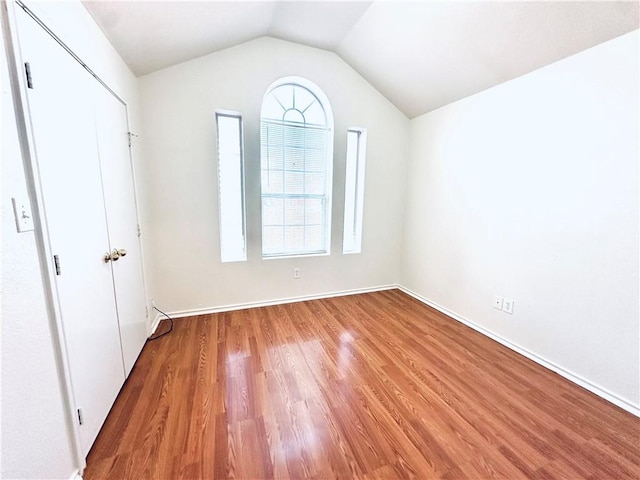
(76, 475)
(267, 303)
(155, 323)
(573, 377)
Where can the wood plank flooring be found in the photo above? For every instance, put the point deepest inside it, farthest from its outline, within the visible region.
(375, 386)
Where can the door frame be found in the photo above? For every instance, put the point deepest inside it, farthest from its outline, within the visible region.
(41, 232)
(26, 141)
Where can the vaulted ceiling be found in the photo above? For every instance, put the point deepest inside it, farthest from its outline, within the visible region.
(421, 55)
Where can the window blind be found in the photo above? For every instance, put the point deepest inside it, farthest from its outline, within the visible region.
(233, 245)
(294, 187)
(354, 190)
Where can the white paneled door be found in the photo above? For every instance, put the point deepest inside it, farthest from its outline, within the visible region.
(82, 153)
(120, 202)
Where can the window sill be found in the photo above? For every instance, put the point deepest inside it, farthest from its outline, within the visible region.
(298, 255)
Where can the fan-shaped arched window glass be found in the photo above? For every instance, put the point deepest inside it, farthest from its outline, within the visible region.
(296, 156)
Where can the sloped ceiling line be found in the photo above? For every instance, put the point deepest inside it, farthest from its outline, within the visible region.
(421, 55)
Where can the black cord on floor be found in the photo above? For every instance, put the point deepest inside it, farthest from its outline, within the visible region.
(170, 328)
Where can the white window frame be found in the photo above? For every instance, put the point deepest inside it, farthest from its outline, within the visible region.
(326, 106)
(225, 255)
(354, 189)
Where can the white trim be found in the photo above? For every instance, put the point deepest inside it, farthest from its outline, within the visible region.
(573, 377)
(132, 161)
(352, 232)
(155, 324)
(76, 475)
(227, 113)
(221, 158)
(267, 303)
(295, 255)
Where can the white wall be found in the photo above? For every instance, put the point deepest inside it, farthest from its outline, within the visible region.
(181, 210)
(529, 190)
(35, 439)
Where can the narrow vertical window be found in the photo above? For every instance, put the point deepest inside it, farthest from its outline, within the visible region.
(233, 243)
(354, 190)
(296, 132)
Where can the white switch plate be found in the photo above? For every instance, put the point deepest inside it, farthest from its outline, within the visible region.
(22, 213)
(497, 302)
(507, 305)
(296, 273)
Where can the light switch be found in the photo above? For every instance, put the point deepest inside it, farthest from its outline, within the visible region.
(22, 212)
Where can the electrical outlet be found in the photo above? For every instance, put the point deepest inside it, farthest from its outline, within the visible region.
(497, 302)
(296, 273)
(507, 306)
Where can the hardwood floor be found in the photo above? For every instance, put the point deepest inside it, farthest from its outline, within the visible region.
(366, 386)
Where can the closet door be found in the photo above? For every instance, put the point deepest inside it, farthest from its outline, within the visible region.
(122, 219)
(62, 117)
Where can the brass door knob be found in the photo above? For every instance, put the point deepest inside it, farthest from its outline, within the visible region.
(115, 255)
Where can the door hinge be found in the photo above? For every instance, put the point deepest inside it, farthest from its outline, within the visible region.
(27, 69)
(130, 135)
(80, 416)
(56, 262)
(139, 231)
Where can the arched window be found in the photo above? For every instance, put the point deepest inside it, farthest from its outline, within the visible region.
(296, 159)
